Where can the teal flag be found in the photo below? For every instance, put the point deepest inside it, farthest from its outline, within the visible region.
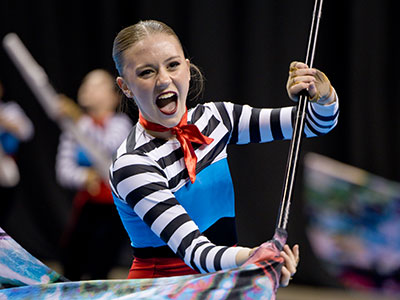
(353, 223)
(22, 276)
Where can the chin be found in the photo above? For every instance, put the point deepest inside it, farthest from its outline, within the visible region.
(173, 120)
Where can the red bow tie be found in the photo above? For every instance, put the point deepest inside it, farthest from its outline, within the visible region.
(185, 134)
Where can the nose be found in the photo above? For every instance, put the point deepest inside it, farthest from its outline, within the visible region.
(164, 79)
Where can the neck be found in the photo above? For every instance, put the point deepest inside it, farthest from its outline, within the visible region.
(100, 115)
(167, 135)
(160, 131)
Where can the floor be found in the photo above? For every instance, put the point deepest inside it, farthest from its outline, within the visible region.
(294, 292)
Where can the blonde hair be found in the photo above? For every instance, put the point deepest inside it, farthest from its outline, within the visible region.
(130, 35)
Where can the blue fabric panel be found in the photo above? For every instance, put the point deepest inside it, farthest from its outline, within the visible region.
(211, 197)
(82, 157)
(139, 233)
(9, 142)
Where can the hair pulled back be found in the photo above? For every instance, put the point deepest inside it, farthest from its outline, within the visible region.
(130, 35)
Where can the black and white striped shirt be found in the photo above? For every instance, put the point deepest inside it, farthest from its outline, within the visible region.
(70, 171)
(11, 112)
(158, 204)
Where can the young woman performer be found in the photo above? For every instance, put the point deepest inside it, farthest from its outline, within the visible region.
(15, 127)
(170, 177)
(93, 236)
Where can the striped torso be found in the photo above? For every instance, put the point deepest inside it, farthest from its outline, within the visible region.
(73, 160)
(11, 112)
(159, 206)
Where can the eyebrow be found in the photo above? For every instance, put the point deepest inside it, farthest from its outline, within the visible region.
(172, 58)
(165, 61)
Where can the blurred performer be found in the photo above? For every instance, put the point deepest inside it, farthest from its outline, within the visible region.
(15, 127)
(93, 237)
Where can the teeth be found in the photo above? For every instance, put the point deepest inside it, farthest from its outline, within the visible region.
(166, 95)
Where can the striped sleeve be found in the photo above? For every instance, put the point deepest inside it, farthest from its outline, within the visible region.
(321, 118)
(115, 132)
(12, 113)
(259, 125)
(107, 138)
(69, 173)
(142, 185)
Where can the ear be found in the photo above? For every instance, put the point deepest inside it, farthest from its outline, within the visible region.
(124, 87)
(188, 66)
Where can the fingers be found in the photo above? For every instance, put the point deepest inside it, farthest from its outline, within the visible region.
(285, 277)
(297, 65)
(301, 77)
(315, 82)
(92, 182)
(296, 252)
(313, 92)
(324, 88)
(68, 108)
(297, 86)
(291, 259)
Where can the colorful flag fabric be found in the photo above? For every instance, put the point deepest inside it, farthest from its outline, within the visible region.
(254, 281)
(18, 267)
(353, 223)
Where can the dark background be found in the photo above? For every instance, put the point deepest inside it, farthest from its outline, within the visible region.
(244, 48)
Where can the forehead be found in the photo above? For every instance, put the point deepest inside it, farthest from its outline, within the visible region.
(158, 46)
(97, 79)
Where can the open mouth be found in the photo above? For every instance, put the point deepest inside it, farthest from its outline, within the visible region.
(167, 102)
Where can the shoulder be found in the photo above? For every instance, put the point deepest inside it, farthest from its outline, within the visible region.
(129, 143)
(11, 107)
(137, 158)
(84, 121)
(218, 109)
(121, 117)
(135, 162)
(138, 142)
